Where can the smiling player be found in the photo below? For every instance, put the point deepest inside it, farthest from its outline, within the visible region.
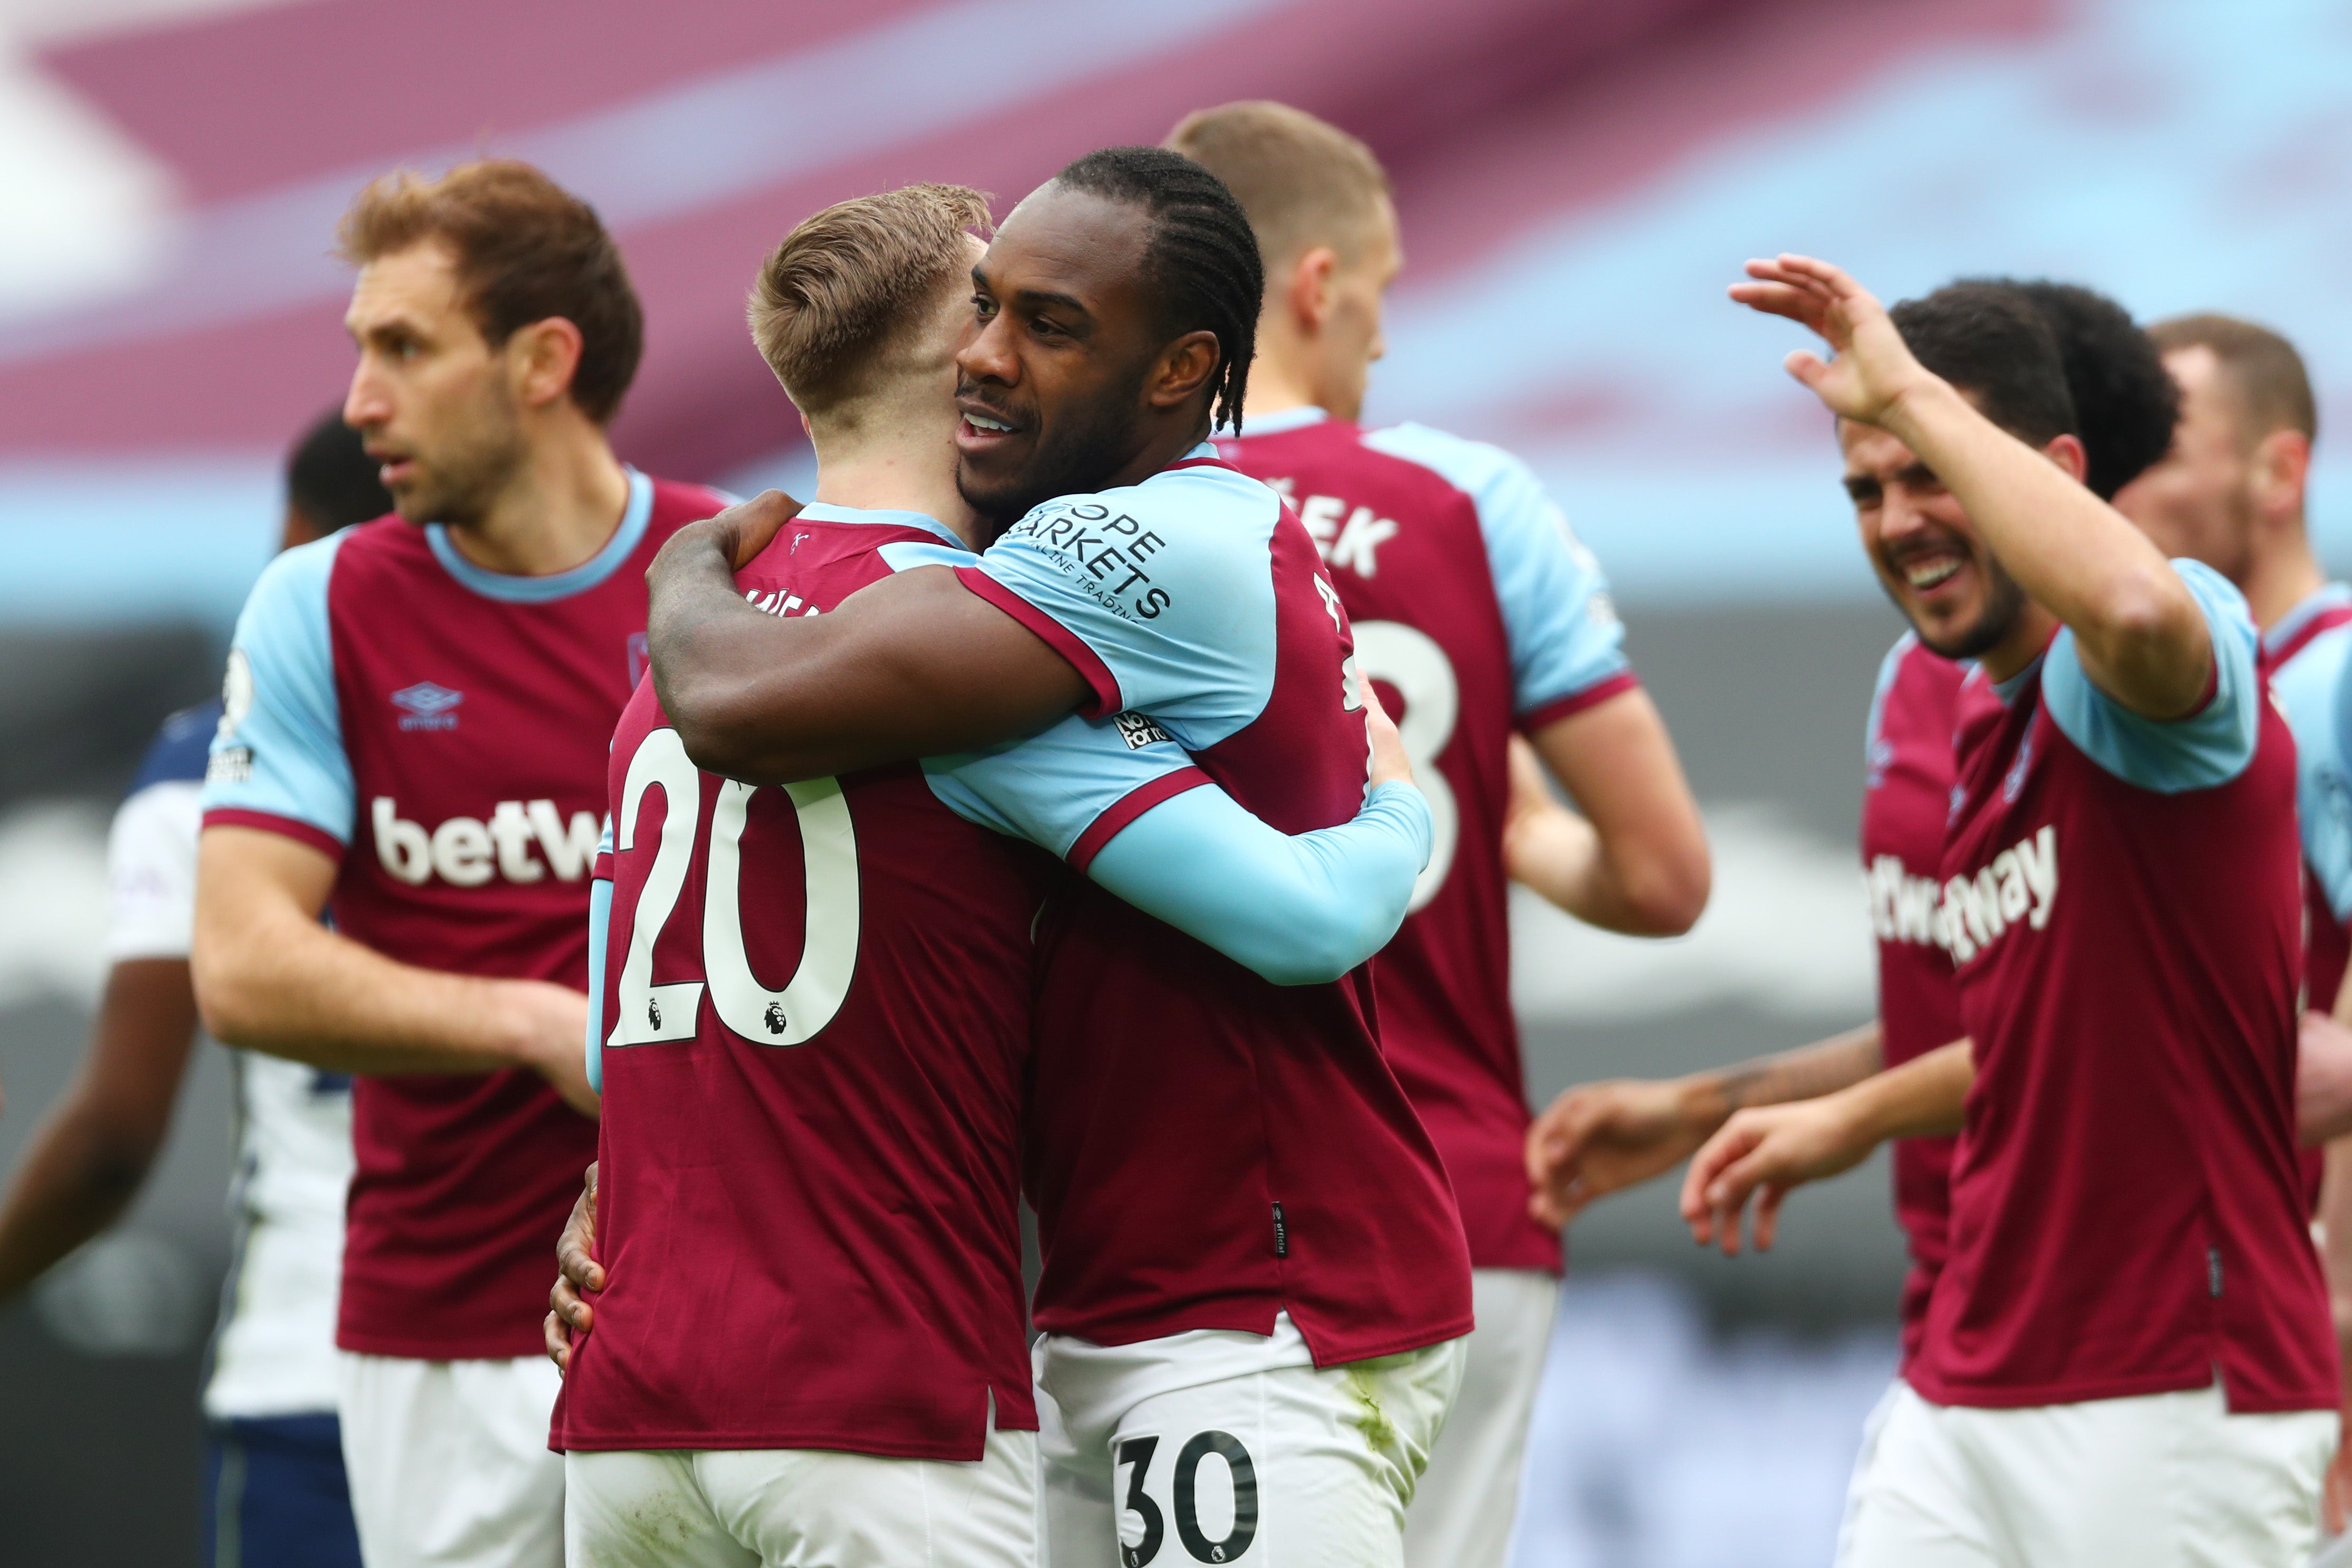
(1246, 1233)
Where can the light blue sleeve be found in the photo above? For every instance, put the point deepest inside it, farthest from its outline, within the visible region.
(1159, 594)
(280, 748)
(1068, 788)
(2209, 748)
(1299, 910)
(1560, 622)
(600, 920)
(2312, 688)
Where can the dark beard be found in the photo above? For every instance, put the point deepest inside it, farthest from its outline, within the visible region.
(1094, 442)
(2003, 607)
(460, 488)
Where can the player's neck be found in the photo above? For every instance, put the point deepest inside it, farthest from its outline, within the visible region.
(1276, 386)
(902, 475)
(557, 512)
(2282, 575)
(2028, 635)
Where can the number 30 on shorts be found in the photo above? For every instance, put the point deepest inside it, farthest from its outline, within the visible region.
(1142, 1523)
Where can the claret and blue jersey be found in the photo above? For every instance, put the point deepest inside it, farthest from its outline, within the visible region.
(815, 1029)
(1477, 610)
(1208, 1150)
(439, 732)
(2122, 900)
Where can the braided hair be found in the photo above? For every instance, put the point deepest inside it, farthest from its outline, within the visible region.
(1203, 257)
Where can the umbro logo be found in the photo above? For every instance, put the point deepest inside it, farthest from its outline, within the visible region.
(425, 705)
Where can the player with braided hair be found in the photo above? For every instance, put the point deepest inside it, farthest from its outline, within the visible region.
(1256, 1282)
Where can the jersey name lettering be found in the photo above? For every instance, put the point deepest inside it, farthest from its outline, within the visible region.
(2020, 884)
(1353, 543)
(466, 851)
(1903, 907)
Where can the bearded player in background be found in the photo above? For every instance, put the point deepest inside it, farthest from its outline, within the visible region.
(417, 716)
(1475, 604)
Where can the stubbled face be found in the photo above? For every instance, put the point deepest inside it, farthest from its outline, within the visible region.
(2198, 499)
(435, 404)
(1051, 381)
(1930, 558)
(1352, 338)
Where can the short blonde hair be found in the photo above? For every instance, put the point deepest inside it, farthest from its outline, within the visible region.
(845, 286)
(1302, 181)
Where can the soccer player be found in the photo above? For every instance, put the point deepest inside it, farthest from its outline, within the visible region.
(1254, 1277)
(2127, 1354)
(1600, 1138)
(417, 712)
(273, 1461)
(873, 1253)
(1470, 596)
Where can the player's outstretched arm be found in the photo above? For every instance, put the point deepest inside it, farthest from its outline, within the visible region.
(913, 666)
(270, 977)
(2142, 637)
(89, 1155)
(1766, 1152)
(1601, 1138)
(1636, 860)
(1299, 910)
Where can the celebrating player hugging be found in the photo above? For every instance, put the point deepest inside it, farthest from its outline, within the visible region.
(1018, 817)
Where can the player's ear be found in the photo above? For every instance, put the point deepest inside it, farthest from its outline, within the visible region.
(1184, 368)
(544, 356)
(1309, 295)
(2066, 451)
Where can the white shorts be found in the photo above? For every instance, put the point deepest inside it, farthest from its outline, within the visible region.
(1199, 1446)
(448, 1461)
(802, 1508)
(1463, 1514)
(2156, 1480)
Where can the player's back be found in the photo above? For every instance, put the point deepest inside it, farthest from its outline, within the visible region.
(1477, 612)
(1209, 1149)
(818, 1001)
(1906, 796)
(441, 731)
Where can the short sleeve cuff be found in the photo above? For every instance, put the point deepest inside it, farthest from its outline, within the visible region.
(1593, 695)
(301, 833)
(1129, 807)
(1056, 636)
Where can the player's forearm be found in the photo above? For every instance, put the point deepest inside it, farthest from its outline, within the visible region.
(1805, 1073)
(293, 989)
(1636, 860)
(911, 666)
(2140, 632)
(1298, 910)
(1923, 1098)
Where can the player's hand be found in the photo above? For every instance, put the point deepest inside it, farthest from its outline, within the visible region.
(1389, 763)
(2335, 1491)
(1874, 370)
(577, 1271)
(1765, 1151)
(741, 531)
(551, 1024)
(1600, 1138)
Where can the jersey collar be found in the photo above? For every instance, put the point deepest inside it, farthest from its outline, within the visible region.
(827, 512)
(2308, 609)
(635, 518)
(1283, 420)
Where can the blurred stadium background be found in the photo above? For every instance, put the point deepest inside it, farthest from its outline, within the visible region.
(1577, 178)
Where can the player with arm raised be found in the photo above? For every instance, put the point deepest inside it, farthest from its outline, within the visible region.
(1246, 1232)
(1474, 603)
(873, 1256)
(417, 714)
(2128, 1279)
(274, 1489)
